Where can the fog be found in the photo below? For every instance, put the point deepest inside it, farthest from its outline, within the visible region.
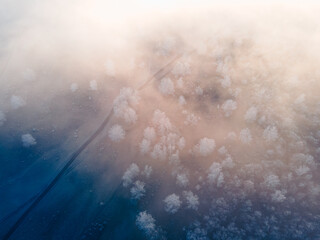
(208, 120)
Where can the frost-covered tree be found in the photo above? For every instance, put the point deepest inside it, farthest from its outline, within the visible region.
(225, 82)
(278, 196)
(123, 105)
(192, 200)
(182, 100)
(146, 223)
(271, 181)
(28, 140)
(302, 170)
(180, 83)
(215, 175)
(166, 86)
(159, 152)
(74, 87)
(228, 107)
(270, 134)
(197, 233)
(181, 143)
(93, 85)
(191, 119)
(149, 133)
(182, 180)
(116, 133)
(17, 102)
(162, 122)
(145, 146)
(245, 136)
(29, 74)
(228, 162)
(205, 146)
(198, 90)
(222, 150)
(147, 171)
(109, 67)
(2, 118)
(181, 68)
(166, 46)
(130, 174)
(172, 203)
(138, 190)
(251, 114)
